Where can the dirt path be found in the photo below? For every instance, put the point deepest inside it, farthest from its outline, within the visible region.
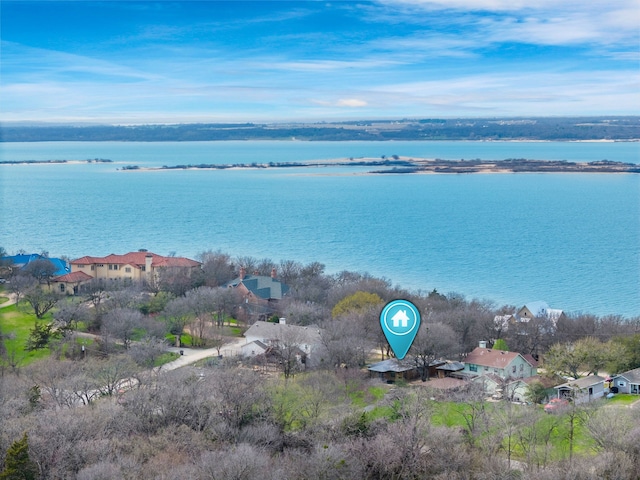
(11, 301)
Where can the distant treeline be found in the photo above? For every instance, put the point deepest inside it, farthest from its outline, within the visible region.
(38, 162)
(559, 129)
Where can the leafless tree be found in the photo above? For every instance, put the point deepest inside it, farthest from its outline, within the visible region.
(241, 397)
(41, 300)
(147, 350)
(20, 284)
(121, 323)
(42, 269)
(112, 373)
(217, 268)
(434, 341)
(303, 313)
(471, 407)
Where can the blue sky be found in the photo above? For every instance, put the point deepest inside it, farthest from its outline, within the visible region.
(200, 61)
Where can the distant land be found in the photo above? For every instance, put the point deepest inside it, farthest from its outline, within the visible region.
(470, 129)
(404, 165)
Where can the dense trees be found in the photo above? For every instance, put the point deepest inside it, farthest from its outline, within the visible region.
(224, 419)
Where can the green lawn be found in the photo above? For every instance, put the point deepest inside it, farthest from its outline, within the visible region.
(622, 399)
(15, 324)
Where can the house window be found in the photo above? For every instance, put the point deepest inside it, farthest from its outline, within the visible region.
(100, 265)
(62, 287)
(93, 267)
(80, 266)
(473, 368)
(127, 269)
(113, 267)
(513, 369)
(522, 367)
(144, 269)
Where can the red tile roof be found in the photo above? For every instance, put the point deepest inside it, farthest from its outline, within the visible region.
(488, 357)
(138, 260)
(72, 277)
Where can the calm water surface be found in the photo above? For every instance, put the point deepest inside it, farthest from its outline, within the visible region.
(570, 239)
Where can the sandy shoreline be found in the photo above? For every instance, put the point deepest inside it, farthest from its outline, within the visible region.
(395, 165)
(409, 165)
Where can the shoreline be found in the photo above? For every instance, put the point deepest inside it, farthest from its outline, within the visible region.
(409, 165)
(396, 165)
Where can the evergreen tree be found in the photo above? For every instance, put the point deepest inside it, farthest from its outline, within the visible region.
(501, 344)
(17, 464)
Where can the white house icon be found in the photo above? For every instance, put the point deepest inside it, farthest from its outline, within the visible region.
(400, 319)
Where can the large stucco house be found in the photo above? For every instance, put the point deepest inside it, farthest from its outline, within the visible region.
(133, 266)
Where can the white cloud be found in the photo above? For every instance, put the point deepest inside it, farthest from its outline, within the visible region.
(351, 102)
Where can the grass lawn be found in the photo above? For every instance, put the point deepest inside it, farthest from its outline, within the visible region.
(3, 299)
(622, 399)
(16, 324)
(165, 358)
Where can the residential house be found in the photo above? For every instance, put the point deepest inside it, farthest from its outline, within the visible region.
(628, 382)
(132, 267)
(280, 335)
(529, 311)
(70, 283)
(253, 349)
(505, 365)
(517, 390)
(19, 262)
(583, 389)
(449, 369)
(392, 369)
(260, 294)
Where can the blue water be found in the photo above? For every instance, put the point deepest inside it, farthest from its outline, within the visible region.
(572, 240)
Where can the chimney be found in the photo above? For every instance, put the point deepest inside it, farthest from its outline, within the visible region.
(243, 272)
(482, 344)
(273, 273)
(148, 260)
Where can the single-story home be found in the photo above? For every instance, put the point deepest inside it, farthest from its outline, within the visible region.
(392, 369)
(253, 349)
(582, 390)
(518, 389)
(70, 283)
(277, 335)
(628, 382)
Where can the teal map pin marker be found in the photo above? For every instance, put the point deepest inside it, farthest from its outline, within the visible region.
(400, 320)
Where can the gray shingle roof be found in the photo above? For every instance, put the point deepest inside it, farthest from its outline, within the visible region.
(633, 376)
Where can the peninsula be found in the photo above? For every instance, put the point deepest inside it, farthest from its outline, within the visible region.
(404, 165)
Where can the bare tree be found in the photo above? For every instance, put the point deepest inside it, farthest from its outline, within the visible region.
(434, 341)
(217, 268)
(121, 323)
(42, 269)
(20, 284)
(41, 300)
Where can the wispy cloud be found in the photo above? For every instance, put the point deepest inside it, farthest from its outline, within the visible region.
(391, 58)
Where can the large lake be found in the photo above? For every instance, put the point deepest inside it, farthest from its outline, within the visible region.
(572, 240)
